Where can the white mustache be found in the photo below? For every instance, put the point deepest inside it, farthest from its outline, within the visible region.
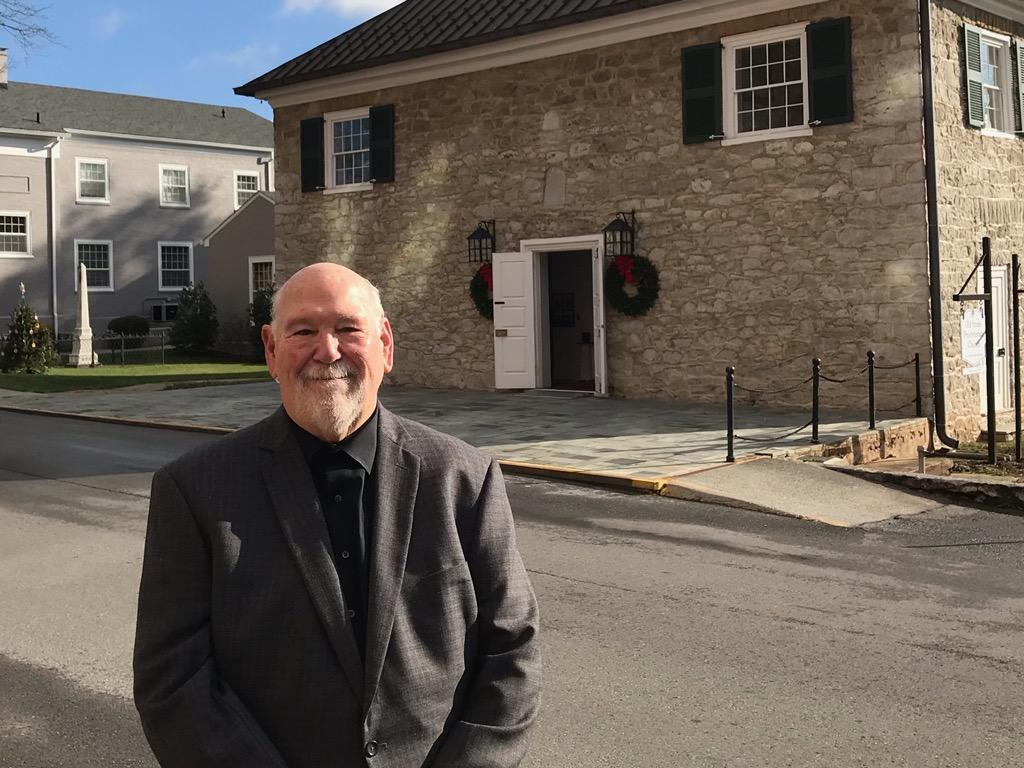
(328, 372)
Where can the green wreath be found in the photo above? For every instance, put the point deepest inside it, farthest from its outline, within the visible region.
(480, 291)
(638, 272)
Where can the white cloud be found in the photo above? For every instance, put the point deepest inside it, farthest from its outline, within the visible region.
(108, 24)
(341, 7)
(254, 56)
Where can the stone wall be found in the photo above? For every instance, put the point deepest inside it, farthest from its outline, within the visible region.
(981, 192)
(770, 253)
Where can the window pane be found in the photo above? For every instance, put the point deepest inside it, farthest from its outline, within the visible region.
(759, 76)
(776, 52)
(746, 101)
(779, 118)
(759, 54)
(796, 115)
(743, 78)
(746, 122)
(742, 58)
(777, 96)
(761, 99)
(92, 180)
(793, 49)
(795, 94)
(792, 71)
(777, 73)
(262, 275)
(13, 234)
(761, 120)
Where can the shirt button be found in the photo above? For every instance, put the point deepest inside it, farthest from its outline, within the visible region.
(344, 554)
(351, 613)
(337, 497)
(371, 748)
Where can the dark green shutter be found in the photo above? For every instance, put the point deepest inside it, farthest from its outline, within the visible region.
(1019, 46)
(972, 74)
(830, 72)
(382, 143)
(702, 93)
(311, 153)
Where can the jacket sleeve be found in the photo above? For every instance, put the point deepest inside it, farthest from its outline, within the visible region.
(190, 716)
(504, 697)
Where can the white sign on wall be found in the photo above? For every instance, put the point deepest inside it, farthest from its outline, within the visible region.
(972, 340)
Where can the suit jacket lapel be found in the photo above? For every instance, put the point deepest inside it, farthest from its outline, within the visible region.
(396, 477)
(294, 498)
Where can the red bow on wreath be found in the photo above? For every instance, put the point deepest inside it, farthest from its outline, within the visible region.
(625, 266)
(487, 273)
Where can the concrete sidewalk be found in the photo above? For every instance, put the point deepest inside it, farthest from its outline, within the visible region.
(675, 449)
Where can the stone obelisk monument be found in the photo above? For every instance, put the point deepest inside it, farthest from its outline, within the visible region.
(81, 349)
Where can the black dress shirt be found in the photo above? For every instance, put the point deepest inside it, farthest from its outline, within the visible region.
(342, 473)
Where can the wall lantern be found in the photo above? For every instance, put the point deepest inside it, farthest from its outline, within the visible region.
(481, 242)
(620, 235)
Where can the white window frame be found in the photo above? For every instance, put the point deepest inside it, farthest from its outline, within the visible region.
(109, 288)
(27, 253)
(330, 119)
(258, 260)
(105, 200)
(160, 265)
(188, 183)
(729, 46)
(1006, 85)
(256, 175)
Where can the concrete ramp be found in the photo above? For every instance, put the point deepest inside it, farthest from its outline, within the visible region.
(805, 490)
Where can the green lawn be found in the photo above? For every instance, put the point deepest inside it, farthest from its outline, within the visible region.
(113, 376)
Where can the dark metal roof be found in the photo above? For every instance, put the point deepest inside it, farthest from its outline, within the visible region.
(61, 108)
(423, 27)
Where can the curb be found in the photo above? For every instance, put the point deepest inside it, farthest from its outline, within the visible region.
(994, 492)
(623, 482)
(178, 426)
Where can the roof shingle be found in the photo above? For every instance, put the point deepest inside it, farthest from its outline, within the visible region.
(423, 27)
(62, 108)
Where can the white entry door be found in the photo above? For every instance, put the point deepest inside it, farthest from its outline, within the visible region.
(515, 338)
(1000, 337)
(600, 346)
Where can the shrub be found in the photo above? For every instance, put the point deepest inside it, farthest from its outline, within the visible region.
(195, 326)
(29, 344)
(259, 315)
(133, 327)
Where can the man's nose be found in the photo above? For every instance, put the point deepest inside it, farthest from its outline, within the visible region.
(327, 348)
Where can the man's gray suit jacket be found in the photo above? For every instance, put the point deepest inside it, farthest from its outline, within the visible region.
(244, 656)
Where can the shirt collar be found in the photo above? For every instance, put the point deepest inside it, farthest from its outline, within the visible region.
(361, 445)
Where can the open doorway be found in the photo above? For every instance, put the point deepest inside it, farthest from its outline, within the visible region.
(567, 320)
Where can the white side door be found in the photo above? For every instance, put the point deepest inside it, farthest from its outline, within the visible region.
(1000, 337)
(600, 345)
(515, 337)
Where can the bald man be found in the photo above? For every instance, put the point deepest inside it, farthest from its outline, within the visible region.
(335, 585)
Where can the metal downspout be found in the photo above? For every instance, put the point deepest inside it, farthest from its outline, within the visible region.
(52, 203)
(934, 261)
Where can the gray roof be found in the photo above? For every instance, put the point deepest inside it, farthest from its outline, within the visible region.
(61, 108)
(423, 27)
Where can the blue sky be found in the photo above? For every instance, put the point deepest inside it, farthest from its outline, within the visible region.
(192, 50)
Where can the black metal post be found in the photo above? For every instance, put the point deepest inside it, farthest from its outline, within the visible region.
(871, 389)
(990, 347)
(122, 349)
(730, 379)
(917, 385)
(1015, 281)
(815, 388)
(162, 360)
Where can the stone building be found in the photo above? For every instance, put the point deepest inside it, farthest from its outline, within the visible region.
(810, 179)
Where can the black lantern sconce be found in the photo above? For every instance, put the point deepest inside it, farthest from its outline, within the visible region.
(481, 242)
(620, 235)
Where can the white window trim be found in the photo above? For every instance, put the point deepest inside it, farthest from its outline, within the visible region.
(188, 184)
(159, 265)
(237, 190)
(27, 253)
(258, 260)
(729, 46)
(105, 200)
(1006, 87)
(110, 268)
(330, 188)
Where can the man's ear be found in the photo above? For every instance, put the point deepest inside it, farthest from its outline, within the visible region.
(387, 340)
(269, 347)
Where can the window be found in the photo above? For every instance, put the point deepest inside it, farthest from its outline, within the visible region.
(348, 149)
(990, 82)
(174, 186)
(261, 274)
(247, 184)
(14, 241)
(175, 266)
(92, 180)
(765, 76)
(99, 272)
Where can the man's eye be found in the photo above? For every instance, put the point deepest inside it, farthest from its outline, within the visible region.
(303, 332)
(348, 329)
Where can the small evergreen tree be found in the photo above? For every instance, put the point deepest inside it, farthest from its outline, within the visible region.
(29, 345)
(259, 315)
(195, 325)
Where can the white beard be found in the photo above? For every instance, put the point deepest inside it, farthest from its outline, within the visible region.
(331, 399)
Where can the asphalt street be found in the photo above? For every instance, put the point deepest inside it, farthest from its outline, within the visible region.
(674, 634)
